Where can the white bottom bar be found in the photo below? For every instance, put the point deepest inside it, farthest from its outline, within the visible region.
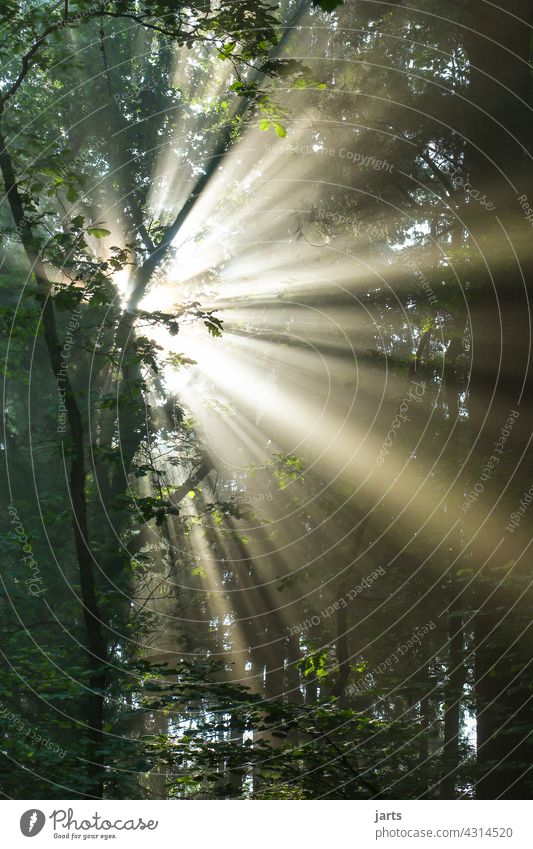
(267, 825)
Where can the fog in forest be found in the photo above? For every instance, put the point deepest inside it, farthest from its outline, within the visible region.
(266, 449)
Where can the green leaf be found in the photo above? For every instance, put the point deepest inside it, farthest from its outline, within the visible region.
(280, 130)
(99, 232)
(264, 124)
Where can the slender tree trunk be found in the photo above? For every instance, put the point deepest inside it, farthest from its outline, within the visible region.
(341, 643)
(96, 640)
(497, 42)
(456, 674)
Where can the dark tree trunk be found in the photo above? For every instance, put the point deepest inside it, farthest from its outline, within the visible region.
(495, 126)
(96, 640)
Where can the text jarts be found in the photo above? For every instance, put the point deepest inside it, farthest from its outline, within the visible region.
(387, 815)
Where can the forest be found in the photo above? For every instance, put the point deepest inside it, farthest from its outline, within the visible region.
(266, 452)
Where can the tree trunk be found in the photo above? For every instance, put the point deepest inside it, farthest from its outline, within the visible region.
(96, 639)
(497, 123)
